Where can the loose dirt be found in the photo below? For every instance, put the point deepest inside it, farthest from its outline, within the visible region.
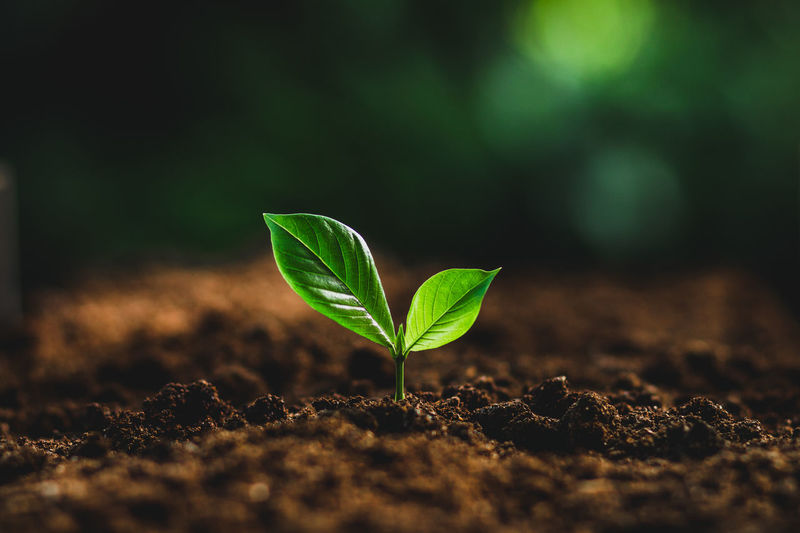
(179, 399)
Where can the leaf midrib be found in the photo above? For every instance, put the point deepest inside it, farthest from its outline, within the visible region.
(344, 282)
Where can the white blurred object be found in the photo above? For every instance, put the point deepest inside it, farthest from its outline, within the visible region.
(9, 282)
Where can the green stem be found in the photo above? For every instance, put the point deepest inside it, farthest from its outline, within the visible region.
(399, 373)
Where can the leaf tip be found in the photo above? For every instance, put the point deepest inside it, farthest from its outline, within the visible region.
(269, 218)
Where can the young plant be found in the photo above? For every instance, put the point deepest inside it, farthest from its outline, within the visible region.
(329, 265)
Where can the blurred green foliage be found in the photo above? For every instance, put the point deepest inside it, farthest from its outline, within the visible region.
(605, 131)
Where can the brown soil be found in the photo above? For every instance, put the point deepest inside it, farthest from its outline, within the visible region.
(215, 400)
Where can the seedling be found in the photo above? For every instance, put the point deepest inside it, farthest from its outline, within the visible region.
(329, 265)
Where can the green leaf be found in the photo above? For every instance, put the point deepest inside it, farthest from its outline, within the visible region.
(445, 307)
(399, 346)
(329, 265)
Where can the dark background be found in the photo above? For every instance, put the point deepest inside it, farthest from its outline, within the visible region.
(619, 134)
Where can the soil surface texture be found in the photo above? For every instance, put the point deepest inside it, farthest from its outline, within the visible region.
(214, 399)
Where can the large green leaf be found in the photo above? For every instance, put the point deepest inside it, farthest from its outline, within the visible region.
(330, 267)
(445, 307)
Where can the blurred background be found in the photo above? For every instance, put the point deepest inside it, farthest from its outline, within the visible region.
(629, 135)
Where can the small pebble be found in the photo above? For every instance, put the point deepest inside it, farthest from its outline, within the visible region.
(259, 492)
(50, 489)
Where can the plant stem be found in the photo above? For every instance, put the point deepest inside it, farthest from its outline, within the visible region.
(399, 372)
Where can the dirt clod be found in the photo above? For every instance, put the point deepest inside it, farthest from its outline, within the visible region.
(550, 398)
(178, 410)
(590, 422)
(268, 408)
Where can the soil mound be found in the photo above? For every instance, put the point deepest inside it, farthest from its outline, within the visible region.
(215, 400)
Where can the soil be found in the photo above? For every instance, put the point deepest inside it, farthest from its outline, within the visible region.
(213, 399)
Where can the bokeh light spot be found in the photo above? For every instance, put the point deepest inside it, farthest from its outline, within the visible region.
(584, 39)
(627, 203)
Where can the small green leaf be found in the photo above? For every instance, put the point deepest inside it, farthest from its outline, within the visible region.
(445, 307)
(399, 348)
(329, 265)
